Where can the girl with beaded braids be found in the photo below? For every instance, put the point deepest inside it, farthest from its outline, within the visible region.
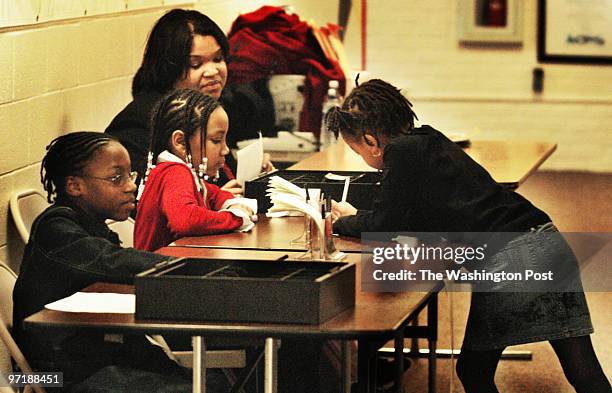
(187, 148)
(430, 184)
(88, 180)
(185, 49)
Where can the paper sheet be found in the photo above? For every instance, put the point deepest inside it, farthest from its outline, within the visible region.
(94, 302)
(250, 159)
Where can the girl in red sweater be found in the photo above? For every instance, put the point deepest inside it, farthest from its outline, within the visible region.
(187, 147)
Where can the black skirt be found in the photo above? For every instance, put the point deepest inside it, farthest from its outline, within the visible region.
(508, 313)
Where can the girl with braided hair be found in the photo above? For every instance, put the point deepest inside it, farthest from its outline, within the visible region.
(187, 149)
(185, 49)
(88, 180)
(430, 184)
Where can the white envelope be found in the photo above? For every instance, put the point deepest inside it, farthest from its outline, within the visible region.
(250, 159)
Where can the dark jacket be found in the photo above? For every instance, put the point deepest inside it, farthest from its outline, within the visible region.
(67, 251)
(132, 127)
(249, 107)
(430, 184)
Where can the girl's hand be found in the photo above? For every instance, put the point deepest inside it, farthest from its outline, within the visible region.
(233, 186)
(244, 208)
(267, 165)
(340, 209)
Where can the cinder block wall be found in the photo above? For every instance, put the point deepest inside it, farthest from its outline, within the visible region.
(59, 77)
(76, 74)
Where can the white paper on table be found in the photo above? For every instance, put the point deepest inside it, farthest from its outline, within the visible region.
(287, 202)
(277, 185)
(95, 302)
(250, 159)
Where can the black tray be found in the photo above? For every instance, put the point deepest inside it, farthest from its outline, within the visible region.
(362, 190)
(245, 291)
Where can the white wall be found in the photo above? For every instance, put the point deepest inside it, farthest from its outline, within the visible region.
(487, 90)
(482, 90)
(76, 74)
(59, 77)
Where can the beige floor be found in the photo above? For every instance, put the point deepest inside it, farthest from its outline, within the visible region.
(577, 202)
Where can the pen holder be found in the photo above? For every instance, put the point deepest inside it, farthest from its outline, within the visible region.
(304, 238)
(321, 246)
(316, 245)
(329, 247)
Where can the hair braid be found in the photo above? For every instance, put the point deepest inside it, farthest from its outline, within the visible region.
(377, 108)
(184, 109)
(67, 155)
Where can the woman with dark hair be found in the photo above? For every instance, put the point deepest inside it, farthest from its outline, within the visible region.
(185, 49)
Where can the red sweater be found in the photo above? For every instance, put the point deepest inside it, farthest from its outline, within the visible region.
(171, 207)
(269, 41)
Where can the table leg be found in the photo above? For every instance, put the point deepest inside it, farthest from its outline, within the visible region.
(432, 322)
(199, 364)
(271, 365)
(414, 345)
(366, 367)
(399, 361)
(346, 366)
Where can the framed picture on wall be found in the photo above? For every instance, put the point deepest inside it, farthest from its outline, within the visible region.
(575, 31)
(490, 21)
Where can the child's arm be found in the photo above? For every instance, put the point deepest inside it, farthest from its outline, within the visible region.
(233, 187)
(66, 243)
(397, 206)
(246, 208)
(186, 212)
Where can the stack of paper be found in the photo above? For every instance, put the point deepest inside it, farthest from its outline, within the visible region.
(286, 196)
(95, 302)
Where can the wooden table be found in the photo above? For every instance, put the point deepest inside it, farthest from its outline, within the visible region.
(508, 162)
(268, 234)
(375, 319)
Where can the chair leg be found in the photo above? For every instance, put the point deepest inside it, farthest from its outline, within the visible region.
(17, 355)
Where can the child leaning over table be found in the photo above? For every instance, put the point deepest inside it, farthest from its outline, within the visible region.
(88, 178)
(187, 148)
(430, 184)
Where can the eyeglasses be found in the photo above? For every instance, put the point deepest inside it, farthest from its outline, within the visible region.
(117, 180)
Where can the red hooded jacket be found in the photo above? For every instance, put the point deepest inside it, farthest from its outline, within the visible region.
(269, 41)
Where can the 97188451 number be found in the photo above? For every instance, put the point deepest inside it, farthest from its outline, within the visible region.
(44, 379)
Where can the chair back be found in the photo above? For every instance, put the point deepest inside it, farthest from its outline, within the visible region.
(125, 230)
(28, 204)
(7, 282)
(8, 347)
(25, 206)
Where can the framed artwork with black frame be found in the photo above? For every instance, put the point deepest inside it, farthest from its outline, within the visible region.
(575, 31)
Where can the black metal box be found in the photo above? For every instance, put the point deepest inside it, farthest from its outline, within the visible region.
(245, 291)
(363, 186)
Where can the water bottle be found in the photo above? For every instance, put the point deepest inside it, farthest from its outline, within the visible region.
(332, 99)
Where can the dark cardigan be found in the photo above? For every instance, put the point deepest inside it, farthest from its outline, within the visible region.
(67, 251)
(430, 184)
(132, 127)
